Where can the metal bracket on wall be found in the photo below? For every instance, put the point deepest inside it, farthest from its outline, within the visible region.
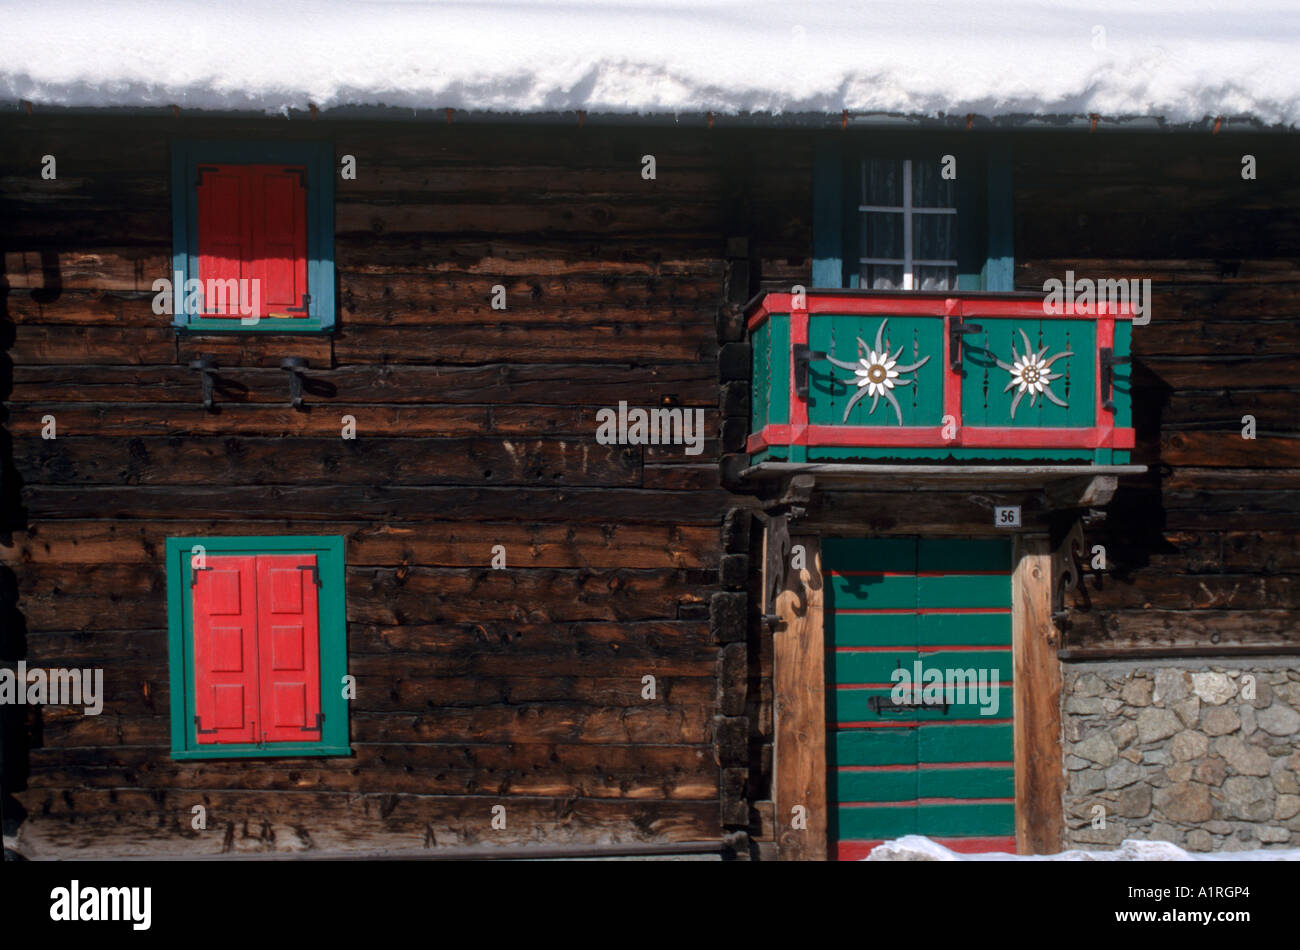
(294, 366)
(315, 572)
(207, 366)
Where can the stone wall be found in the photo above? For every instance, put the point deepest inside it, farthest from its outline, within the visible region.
(1205, 754)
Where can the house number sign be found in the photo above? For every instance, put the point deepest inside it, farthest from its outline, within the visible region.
(1006, 516)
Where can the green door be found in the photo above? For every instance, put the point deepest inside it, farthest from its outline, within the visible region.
(918, 692)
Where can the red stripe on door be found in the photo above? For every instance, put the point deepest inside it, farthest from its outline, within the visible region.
(857, 850)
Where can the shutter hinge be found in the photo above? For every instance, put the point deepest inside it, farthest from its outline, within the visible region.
(306, 305)
(301, 173)
(194, 577)
(199, 726)
(315, 572)
(198, 181)
(320, 723)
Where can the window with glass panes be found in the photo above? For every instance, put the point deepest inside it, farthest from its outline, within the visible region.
(907, 226)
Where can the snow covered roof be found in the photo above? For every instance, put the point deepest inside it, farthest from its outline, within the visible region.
(1179, 61)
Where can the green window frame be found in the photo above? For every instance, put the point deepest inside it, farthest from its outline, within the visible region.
(318, 158)
(984, 207)
(333, 644)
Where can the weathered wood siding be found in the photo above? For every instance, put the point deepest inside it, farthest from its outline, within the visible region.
(1204, 552)
(475, 427)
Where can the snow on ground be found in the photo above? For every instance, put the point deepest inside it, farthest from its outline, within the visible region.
(921, 848)
(1183, 60)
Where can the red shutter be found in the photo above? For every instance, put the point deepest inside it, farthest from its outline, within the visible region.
(225, 650)
(289, 628)
(252, 225)
(224, 225)
(279, 257)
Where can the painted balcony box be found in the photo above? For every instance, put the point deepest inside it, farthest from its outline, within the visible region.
(866, 376)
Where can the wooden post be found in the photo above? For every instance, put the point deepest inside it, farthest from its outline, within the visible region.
(1037, 700)
(799, 712)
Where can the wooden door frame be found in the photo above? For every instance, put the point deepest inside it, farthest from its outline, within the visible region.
(799, 775)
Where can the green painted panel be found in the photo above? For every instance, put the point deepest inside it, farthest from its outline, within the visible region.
(987, 402)
(976, 743)
(966, 783)
(832, 388)
(956, 629)
(964, 590)
(778, 412)
(866, 630)
(963, 554)
(995, 659)
(871, 592)
(946, 820)
(873, 667)
(874, 747)
(867, 554)
(892, 786)
(875, 821)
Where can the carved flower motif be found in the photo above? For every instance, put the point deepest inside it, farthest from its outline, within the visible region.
(1032, 374)
(877, 373)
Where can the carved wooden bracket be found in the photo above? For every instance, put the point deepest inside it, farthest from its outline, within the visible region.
(1068, 547)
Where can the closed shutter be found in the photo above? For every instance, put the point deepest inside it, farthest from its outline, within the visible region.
(279, 258)
(225, 238)
(289, 625)
(252, 225)
(225, 650)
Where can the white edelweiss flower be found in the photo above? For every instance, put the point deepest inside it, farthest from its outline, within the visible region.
(1029, 373)
(876, 372)
(1032, 374)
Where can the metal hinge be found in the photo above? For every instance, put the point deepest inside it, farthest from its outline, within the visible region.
(1108, 361)
(956, 327)
(315, 572)
(198, 181)
(320, 724)
(802, 356)
(194, 577)
(199, 726)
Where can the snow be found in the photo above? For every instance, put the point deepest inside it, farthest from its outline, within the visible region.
(921, 848)
(1182, 60)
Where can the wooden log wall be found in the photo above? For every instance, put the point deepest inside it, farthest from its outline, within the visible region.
(1204, 552)
(475, 427)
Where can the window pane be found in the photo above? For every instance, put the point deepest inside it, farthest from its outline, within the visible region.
(936, 278)
(934, 237)
(929, 189)
(882, 277)
(882, 234)
(882, 182)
